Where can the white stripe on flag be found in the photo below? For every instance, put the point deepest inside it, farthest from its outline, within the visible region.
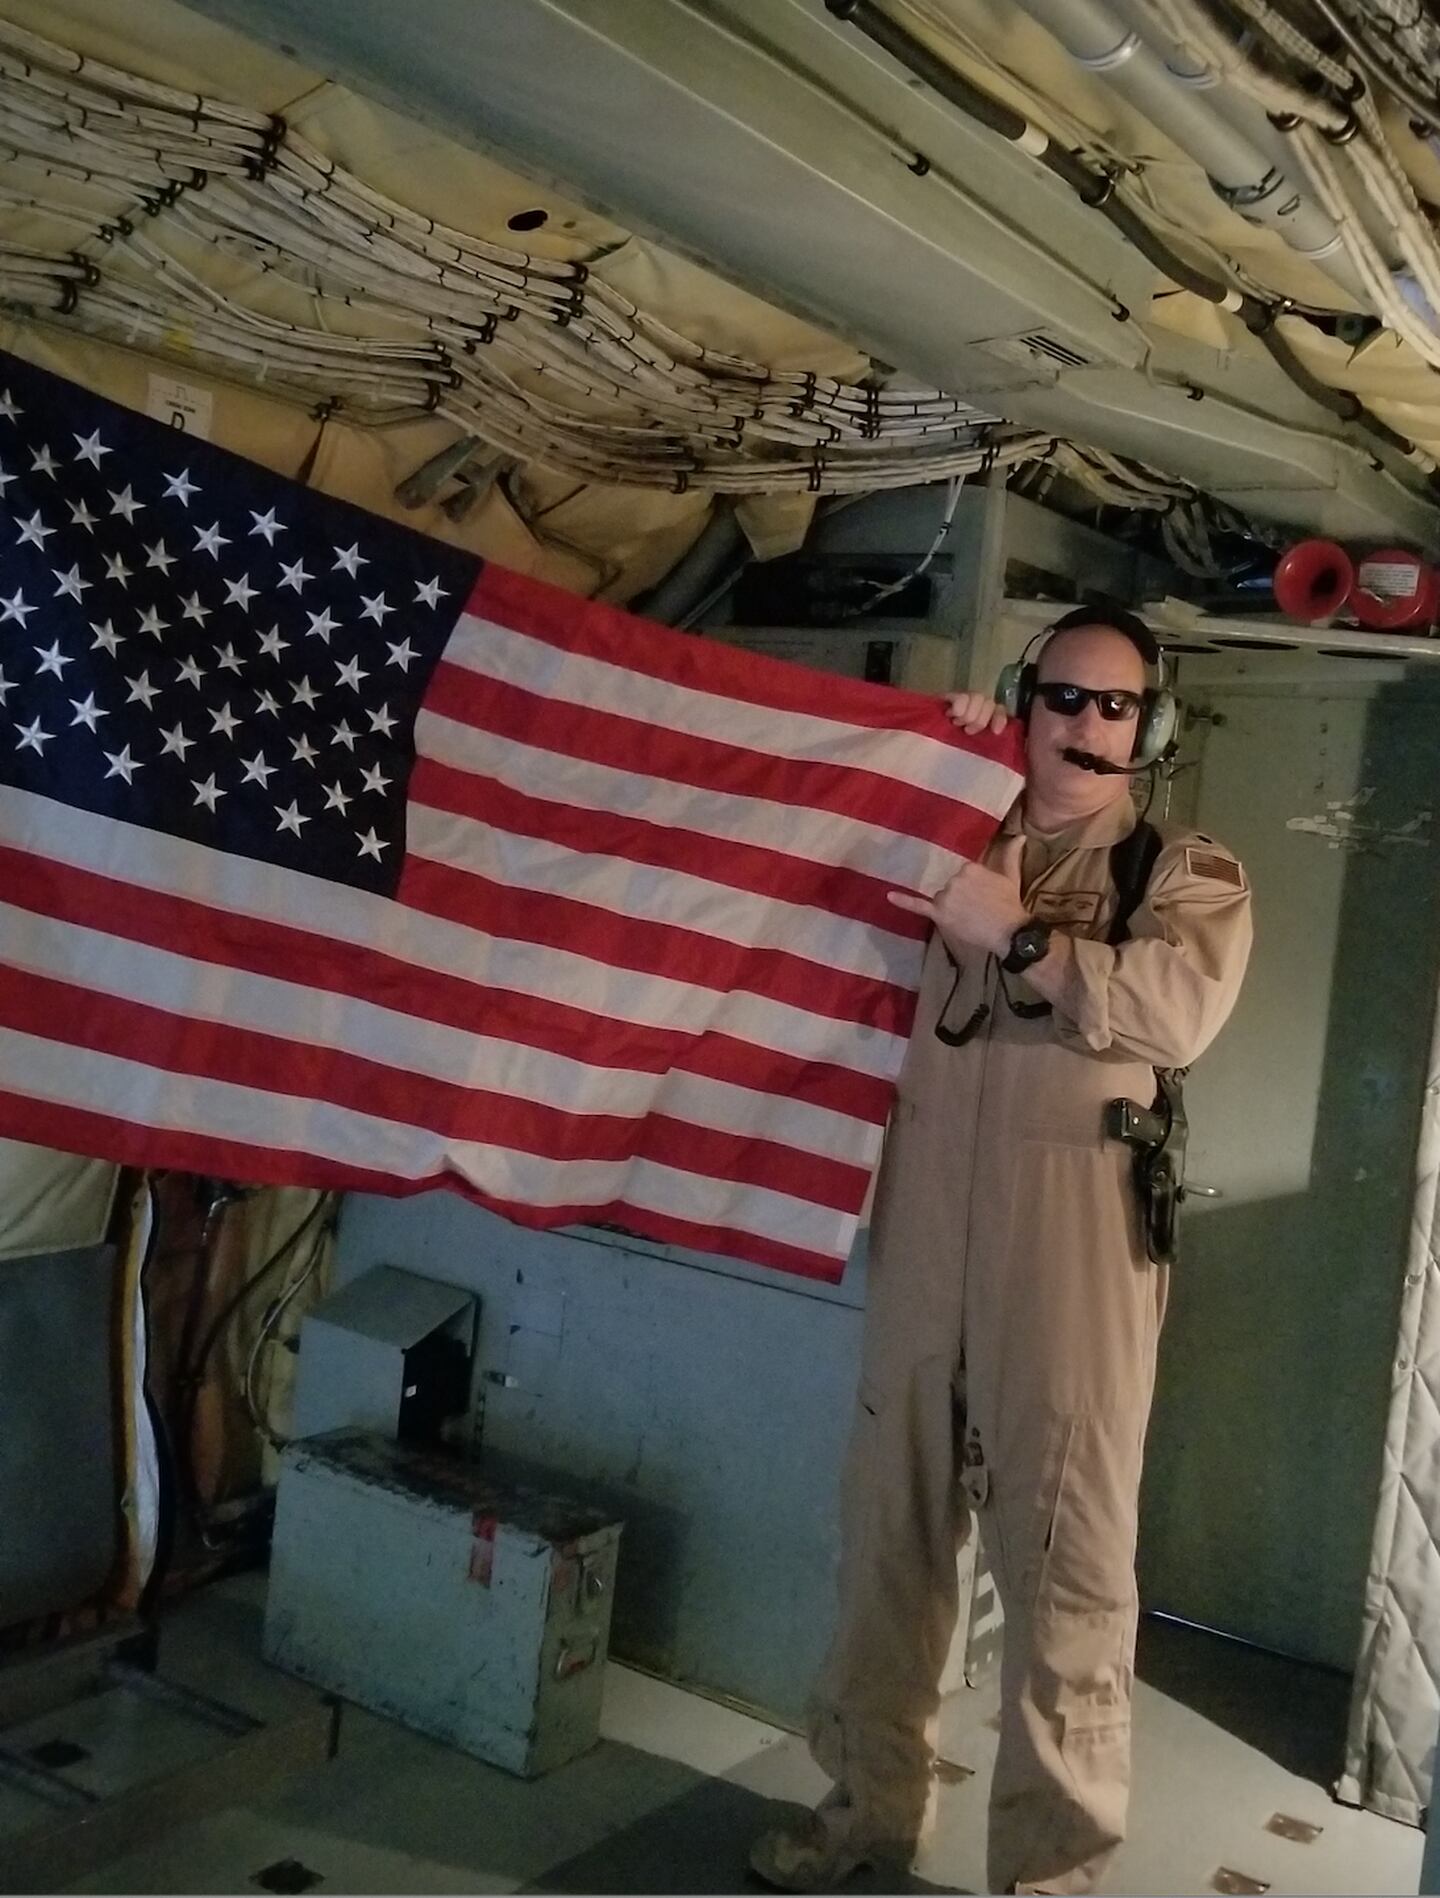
(824, 837)
(205, 992)
(130, 1091)
(501, 652)
(658, 895)
(153, 860)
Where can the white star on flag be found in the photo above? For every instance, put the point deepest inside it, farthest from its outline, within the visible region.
(122, 765)
(209, 540)
(429, 593)
(91, 448)
(87, 711)
(179, 487)
(35, 531)
(349, 560)
(125, 503)
(266, 525)
(371, 845)
(71, 584)
(52, 659)
(290, 818)
(33, 739)
(142, 691)
(208, 793)
(257, 771)
(175, 742)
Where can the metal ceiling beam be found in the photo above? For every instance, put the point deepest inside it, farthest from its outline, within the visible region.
(802, 164)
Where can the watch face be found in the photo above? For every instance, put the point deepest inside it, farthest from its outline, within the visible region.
(1027, 945)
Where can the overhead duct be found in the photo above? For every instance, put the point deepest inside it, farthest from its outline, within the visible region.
(1095, 188)
(1240, 171)
(868, 205)
(1253, 125)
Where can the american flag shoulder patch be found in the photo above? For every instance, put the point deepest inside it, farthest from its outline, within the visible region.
(1215, 866)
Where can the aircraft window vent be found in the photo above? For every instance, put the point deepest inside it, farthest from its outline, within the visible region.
(1051, 346)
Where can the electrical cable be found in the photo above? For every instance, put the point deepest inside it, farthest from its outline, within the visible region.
(269, 1326)
(887, 589)
(191, 1377)
(535, 357)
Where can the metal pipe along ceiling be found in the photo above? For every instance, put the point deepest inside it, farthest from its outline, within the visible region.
(1239, 170)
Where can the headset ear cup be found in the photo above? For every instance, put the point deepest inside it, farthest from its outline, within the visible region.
(1015, 688)
(1158, 726)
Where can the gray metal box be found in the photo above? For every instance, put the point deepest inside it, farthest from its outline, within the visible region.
(57, 1453)
(472, 1610)
(356, 1345)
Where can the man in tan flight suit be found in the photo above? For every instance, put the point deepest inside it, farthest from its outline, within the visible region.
(1010, 1337)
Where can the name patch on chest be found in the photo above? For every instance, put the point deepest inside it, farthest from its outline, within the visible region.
(1072, 907)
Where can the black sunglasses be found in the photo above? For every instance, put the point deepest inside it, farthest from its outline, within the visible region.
(1056, 695)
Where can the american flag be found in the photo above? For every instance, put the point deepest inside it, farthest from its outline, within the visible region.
(333, 856)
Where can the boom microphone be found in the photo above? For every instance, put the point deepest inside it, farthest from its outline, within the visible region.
(1087, 761)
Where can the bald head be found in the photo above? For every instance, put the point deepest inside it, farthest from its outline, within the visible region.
(1081, 651)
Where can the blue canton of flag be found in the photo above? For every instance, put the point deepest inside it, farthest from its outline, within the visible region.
(194, 645)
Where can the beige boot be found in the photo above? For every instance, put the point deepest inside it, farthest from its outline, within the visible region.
(822, 1850)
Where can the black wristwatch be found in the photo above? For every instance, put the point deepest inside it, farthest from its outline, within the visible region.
(1030, 944)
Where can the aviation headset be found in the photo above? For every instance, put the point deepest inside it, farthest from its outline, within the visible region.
(1159, 721)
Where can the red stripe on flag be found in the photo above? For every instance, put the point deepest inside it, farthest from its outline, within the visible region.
(753, 868)
(195, 931)
(650, 948)
(709, 665)
(271, 1064)
(83, 1131)
(634, 744)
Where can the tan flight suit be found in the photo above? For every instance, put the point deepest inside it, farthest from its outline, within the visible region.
(1009, 1355)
